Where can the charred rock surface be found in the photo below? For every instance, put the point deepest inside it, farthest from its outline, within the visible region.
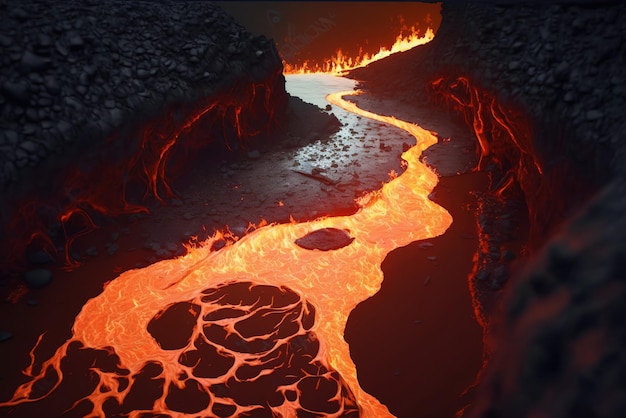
(95, 99)
(557, 347)
(74, 72)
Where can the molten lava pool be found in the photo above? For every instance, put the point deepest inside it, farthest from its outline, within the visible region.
(250, 328)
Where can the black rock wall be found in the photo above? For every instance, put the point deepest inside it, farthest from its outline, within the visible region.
(558, 338)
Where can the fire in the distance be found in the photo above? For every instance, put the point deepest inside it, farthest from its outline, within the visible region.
(255, 327)
(340, 63)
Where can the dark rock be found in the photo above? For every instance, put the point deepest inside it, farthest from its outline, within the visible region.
(74, 40)
(325, 239)
(254, 154)
(508, 255)
(11, 136)
(33, 62)
(117, 117)
(29, 146)
(5, 41)
(64, 128)
(52, 84)
(143, 74)
(38, 278)
(5, 335)
(20, 14)
(61, 48)
(16, 91)
(592, 115)
(43, 40)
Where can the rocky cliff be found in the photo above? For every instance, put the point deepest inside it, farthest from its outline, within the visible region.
(543, 88)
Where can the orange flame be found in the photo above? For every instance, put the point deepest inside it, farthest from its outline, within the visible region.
(339, 64)
(328, 285)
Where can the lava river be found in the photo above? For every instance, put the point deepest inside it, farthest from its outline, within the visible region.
(252, 328)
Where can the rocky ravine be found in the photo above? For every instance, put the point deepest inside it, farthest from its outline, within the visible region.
(558, 337)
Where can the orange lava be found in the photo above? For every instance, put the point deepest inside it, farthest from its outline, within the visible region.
(339, 63)
(299, 298)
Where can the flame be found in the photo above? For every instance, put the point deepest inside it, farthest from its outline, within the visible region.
(309, 293)
(339, 63)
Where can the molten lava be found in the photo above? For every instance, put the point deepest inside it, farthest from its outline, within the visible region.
(339, 63)
(255, 327)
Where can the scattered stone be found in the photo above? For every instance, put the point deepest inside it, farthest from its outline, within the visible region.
(38, 278)
(508, 255)
(482, 275)
(29, 146)
(592, 115)
(33, 62)
(112, 248)
(254, 154)
(5, 335)
(16, 91)
(39, 257)
(325, 239)
(61, 49)
(75, 40)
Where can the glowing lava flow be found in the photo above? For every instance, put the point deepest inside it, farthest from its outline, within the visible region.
(253, 308)
(340, 63)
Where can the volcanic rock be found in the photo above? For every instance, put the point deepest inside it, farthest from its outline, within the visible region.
(38, 278)
(5, 335)
(325, 239)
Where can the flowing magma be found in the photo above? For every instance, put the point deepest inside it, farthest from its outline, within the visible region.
(260, 309)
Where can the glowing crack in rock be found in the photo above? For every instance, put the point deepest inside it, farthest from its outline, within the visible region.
(253, 329)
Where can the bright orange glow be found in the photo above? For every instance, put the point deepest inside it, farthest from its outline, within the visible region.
(339, 63)
(328, 285)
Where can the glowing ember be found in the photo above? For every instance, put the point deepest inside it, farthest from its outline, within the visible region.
(255, 327)
(340, 63)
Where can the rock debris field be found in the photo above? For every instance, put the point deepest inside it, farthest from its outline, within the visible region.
(74, 71)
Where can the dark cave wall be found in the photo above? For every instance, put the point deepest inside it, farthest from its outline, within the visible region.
(558, 335)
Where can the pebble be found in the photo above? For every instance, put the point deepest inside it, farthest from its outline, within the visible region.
(39, 257)
(5, 335)
(33, 62)
(38, 278)
(254, 154)
(592, 115)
